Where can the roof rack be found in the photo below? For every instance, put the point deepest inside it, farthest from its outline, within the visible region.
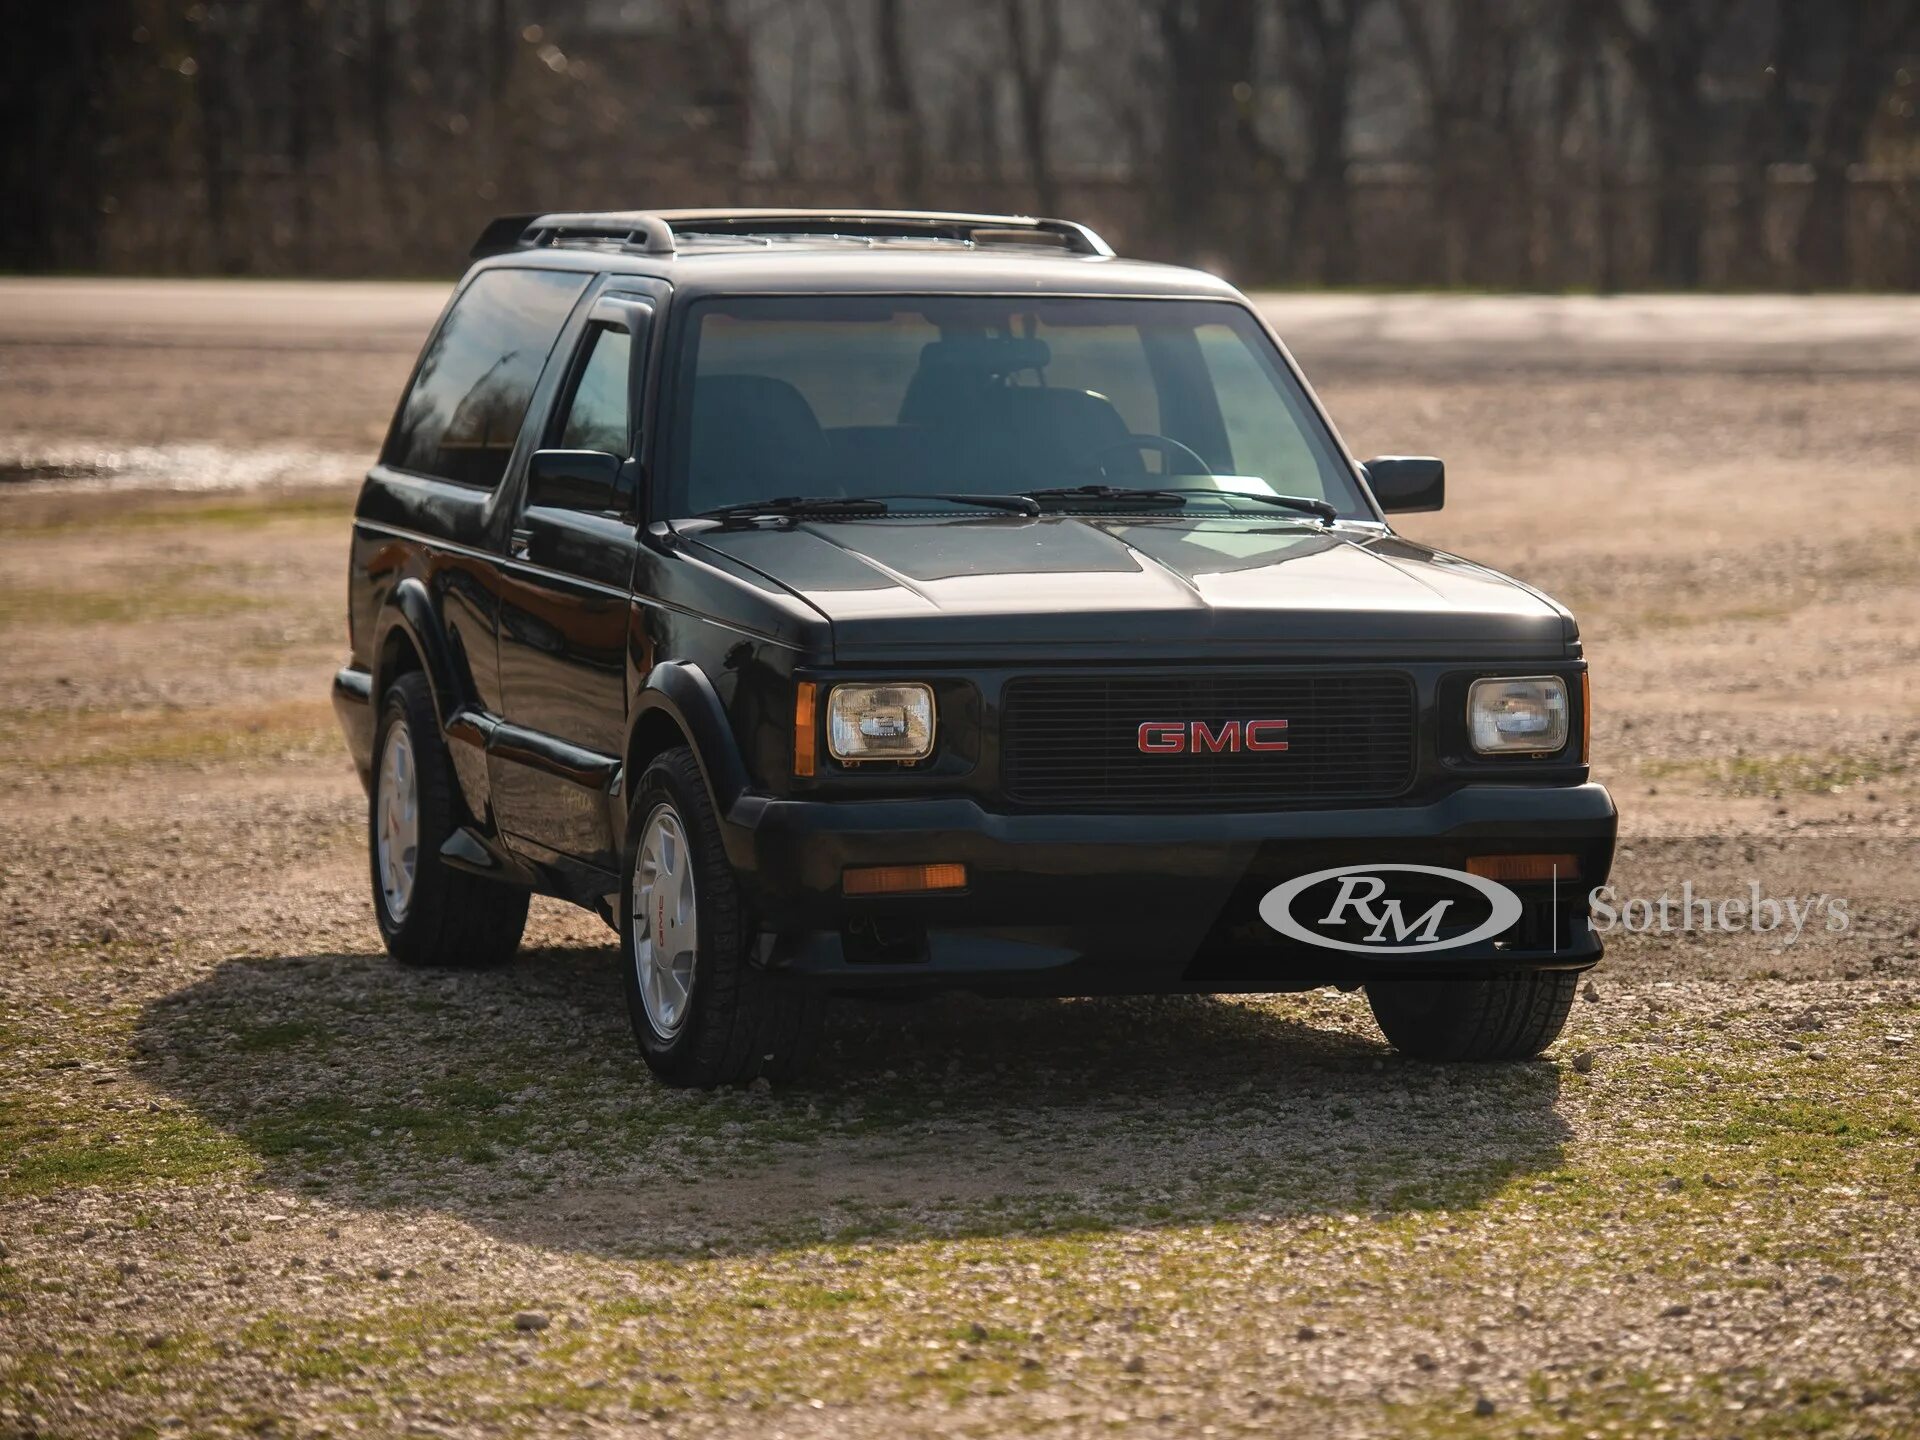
(653, 232)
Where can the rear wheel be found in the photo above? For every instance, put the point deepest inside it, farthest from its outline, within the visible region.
(1497, 1017)
(428, 913)
(703, 1013)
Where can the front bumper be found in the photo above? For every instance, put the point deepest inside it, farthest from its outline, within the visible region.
(1099, 903)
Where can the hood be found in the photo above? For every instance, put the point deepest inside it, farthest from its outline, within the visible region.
(966, 586)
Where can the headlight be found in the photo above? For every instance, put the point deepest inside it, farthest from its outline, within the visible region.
(1514, 716)
(880, 722)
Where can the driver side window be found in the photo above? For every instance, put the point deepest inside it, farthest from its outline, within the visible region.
(596, 417)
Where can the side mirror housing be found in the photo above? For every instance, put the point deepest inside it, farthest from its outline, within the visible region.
(573, 479)
(1407, 483)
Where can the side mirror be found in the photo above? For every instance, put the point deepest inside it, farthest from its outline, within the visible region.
(1406, 483)
(573, 479)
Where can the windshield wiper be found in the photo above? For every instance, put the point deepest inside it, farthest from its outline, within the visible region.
(787, 506)
(1018, 504)
(791, 505)
(1180, 494)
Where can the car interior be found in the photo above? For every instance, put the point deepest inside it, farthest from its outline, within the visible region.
(973, 417)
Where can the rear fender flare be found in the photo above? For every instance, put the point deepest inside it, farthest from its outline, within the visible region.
(410, 610)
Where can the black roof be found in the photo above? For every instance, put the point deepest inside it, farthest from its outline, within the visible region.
(665, 232)
(800, 251)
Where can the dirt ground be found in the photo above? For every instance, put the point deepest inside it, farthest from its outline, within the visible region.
(255, 1179)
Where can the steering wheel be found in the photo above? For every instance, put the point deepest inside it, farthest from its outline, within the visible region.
(1164, 444)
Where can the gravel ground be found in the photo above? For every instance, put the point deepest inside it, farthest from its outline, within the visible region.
(255, 1180)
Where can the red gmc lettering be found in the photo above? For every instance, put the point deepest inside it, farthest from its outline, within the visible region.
(1205, 739)
(1176, 737)
(1273, 731)
(1162, 738)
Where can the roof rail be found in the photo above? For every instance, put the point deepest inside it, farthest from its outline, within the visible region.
(653, 232)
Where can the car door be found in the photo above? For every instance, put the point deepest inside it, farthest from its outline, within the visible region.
(564, 609)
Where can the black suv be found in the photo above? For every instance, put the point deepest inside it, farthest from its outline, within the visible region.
(891, 601)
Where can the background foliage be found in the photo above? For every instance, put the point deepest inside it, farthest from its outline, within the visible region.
(1530, 143)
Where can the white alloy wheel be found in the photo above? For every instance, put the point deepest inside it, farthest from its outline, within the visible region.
(397, 838)
(666, 921)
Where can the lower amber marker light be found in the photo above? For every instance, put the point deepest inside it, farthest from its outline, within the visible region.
(1524, 867)
(902, 879)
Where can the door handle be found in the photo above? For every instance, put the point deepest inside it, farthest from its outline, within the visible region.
(521, 544)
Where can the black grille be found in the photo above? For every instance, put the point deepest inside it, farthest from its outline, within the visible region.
(1074, 740)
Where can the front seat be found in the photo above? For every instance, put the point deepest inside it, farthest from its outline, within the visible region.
(1057, 434)
(754, 437)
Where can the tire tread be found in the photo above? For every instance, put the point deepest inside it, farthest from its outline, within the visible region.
(1491, 1018)
(455, 920)
(746, 1023)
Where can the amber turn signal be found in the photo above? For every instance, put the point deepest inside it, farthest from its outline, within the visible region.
(1586, 715)
(806, 741)
(1524, 867)
(902, 879)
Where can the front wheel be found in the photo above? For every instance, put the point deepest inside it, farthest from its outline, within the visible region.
(1497, 1017)
(703, 1013)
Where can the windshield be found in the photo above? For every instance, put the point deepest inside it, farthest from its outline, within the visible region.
(868, 395)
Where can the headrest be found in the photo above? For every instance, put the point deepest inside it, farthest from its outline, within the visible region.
(988, 355)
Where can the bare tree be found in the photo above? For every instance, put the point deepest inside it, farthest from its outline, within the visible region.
(361, 136)
(53, 126)
(900, 100)
(1119, 77)
(1320, 70)
(305, 100)
(1874, 35)
(800, 102)
(1606, 176)
(1667, 51)
(1567, 41)
(986, 112)
(1208, 50)
(853, 83)
(1464, 53)
(1772, 132)
(216, 112)
(380, 71)
(1035, 46)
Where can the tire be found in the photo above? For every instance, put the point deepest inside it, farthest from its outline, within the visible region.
(430, 914)
(1499, 1017)
(705, 1014)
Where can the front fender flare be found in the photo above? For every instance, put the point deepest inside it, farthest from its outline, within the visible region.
(685, 694)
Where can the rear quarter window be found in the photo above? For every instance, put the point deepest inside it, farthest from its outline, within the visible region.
(462, 415)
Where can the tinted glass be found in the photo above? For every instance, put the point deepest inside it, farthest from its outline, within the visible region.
(597, 414)
(838, 395)
(463, 414)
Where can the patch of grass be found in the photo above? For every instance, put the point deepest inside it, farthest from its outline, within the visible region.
(146, 599)
(337, 1349)
(44, 1149)
(1770, 774)
(109, 1363)
(1694, 617)
(1745, 1400)
(628, 1308)
(96, 739)
(276, 1035)
(459, 1120)
(91, 513)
